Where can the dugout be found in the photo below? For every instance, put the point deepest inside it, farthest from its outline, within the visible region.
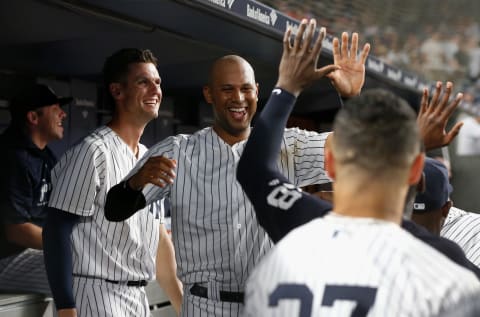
(64, 43)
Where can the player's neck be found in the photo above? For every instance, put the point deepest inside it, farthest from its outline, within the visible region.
(129, 133)
(371, 200)
(229, 137)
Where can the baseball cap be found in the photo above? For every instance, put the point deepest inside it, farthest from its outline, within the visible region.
(34, 97)
(437, 187)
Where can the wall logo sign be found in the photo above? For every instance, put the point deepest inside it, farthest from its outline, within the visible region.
(261, 16)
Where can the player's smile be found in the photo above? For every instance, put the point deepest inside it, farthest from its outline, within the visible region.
(238, 113)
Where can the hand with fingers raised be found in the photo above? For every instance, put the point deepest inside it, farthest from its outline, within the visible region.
(349, 78)
(157, 170)
(434, 114)
(298, 66)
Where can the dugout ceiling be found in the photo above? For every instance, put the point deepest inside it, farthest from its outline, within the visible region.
(72, 38)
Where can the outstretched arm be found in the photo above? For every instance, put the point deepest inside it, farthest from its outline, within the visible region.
(434, 114)
(348, 80)
(279, 205)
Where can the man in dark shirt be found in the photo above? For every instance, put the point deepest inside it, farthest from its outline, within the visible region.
(25, 186)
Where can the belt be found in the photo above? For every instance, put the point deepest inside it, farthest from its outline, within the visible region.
(140, 283)
(234, 297)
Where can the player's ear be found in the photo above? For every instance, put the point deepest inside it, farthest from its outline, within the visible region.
(256, 91)
(115, 90)
(329, 158)
(446, 209)
(416, 169)
(207, 94)
(32, 117)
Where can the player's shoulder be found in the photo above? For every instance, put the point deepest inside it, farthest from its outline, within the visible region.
(460, 218)
(94, 144)
(181, 141)
(295, 131)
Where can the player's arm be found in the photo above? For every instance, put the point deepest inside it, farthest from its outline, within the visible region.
(58, 258)
(27, 235)
(445, 246)
(280, 206)
(126, 198)
(434, 114)
(16, 203)
(166, 270)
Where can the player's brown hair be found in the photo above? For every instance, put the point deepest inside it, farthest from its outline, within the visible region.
(376, 131)
(116, 66)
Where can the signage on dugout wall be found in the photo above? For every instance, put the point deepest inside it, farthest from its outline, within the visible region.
(277, 22)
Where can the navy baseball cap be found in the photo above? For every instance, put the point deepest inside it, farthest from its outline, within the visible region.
(437, 187)
(34, 97)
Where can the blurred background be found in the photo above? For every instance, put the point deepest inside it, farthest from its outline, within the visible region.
(436, 40)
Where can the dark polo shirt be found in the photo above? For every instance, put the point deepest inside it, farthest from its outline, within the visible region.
(25, 184)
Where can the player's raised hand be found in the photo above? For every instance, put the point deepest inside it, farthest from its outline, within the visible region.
(298, 66)
(349, 79)
(157, 170)
(434, 114)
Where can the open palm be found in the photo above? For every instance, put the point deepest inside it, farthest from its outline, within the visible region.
(349, 79)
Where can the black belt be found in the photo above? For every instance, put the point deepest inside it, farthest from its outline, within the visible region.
(140, 283)
(234, 297)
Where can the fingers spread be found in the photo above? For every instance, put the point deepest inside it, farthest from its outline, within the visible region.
(354, 46)
(365, 51)
(297, 44)
(344, 48)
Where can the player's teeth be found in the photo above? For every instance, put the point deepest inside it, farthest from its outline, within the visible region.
(237, 109)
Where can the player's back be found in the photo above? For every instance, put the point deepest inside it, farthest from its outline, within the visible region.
(343, 266)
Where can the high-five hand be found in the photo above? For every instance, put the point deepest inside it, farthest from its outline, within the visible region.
(348, 80)
(298, 66)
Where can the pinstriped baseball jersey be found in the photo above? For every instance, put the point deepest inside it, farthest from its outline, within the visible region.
(81, 179)
(345, 266)
(215, 231)
(464, 228)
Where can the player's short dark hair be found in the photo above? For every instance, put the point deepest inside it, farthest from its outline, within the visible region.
(376, 131)
(116, 66)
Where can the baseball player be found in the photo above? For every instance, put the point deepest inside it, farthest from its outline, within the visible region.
(95, 267)
(216, 235)
(25, 186)
(356, 261)
(433, 209)
(463, 228)
(431, 121)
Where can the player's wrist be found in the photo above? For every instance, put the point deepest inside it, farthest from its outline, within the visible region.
(132, 186)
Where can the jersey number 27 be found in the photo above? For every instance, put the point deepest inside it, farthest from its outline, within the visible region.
(362, 295)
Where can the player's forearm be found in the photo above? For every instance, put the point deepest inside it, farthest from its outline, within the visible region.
(261, 151)
(166, 270)
(69, 312)
(26, 234)
(58, 257)
(122, 202)
(174, 290)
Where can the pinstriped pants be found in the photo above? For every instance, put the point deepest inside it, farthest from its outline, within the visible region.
(97, 298)
(24, 272)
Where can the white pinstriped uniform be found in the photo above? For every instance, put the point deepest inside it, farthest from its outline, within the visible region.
(463, 228)
(101, 249)
(363, 260)
(216, 236)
